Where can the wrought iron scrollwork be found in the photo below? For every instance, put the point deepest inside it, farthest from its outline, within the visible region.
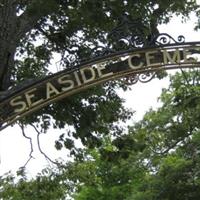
(146, 77)
(101, 51)
(134, 34)
(143, 78)
(137, 41)
(164, 39)
(128, 33)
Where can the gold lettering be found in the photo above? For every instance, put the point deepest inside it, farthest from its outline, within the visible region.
(64, 80)
(83, 74)
(77, 78)
(18, 102)
(51, 90)
(100, 68)
(169, 59)
(149, 57)
(187, 52)
(141, 64)
(29, 98)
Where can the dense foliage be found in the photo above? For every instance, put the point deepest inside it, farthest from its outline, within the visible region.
(157, 159)
(159, 156)
(72, 30)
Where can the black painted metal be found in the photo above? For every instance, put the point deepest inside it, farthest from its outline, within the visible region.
(123, 40)
(7, 116)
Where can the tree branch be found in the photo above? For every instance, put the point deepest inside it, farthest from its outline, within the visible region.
(26, 24)
(35, 11)
(31, 144)
(173, 145)
(39, 146)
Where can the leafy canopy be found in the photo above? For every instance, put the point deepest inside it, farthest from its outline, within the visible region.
(158, 152)
(157, 159)
(72, 30)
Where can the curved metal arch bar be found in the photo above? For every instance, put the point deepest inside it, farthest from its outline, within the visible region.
(138, 64)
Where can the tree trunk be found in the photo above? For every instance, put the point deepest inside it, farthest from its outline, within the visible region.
(12, 29)
(8, 43)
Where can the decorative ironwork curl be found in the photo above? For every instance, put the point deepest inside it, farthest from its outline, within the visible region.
(101, 51)
(131, 79)
(146, 77)
(181, 39)
(133, 34)
(128, 33)
(137, 41)
(164, 39)
(143, 78)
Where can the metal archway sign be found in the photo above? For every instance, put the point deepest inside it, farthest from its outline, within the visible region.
(139, 63)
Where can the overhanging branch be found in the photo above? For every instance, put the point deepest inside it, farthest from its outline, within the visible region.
(39, 146)
(31, 145)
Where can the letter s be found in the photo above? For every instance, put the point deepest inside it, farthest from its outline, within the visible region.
(19, 103)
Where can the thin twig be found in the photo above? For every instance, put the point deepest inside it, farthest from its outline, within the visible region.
(39, 146)
(174, 145)
(31, 144)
